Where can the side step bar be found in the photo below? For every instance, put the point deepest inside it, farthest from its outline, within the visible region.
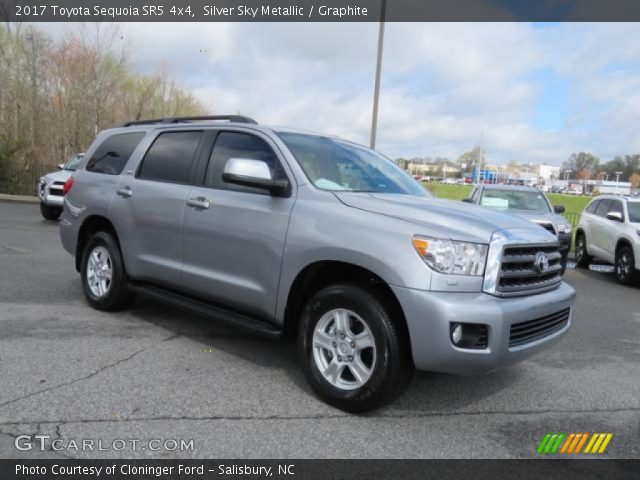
(235, 319)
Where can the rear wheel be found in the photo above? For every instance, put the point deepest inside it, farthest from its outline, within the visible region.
(583, 259)
(104, 278)
(353, 348)
(626, 272)
(50, 213)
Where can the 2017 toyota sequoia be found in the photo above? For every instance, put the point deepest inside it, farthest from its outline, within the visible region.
(292, 234)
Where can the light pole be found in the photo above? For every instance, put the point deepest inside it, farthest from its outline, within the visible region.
(376, 89)
(618, 177)
(566, 175)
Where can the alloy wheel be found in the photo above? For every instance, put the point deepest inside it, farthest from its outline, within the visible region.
(344, 349)
(99, 271)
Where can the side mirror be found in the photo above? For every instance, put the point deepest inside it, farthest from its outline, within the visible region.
(60, 166)
(253, 173)
(616, 216)
(467, 200)
(559, 209)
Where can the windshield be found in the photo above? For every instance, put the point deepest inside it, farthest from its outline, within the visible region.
(515, 200)
(74, 162)
(634, 211)
(336, 165)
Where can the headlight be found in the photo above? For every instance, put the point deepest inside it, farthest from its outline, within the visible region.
(563, 228)
(449, 256)
(43, 180)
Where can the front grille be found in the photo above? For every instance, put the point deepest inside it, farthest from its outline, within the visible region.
(520, 272)
(53, 191)
(527, 332)
(547, 226)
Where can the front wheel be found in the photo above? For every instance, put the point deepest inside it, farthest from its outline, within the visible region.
(583, 259)
(353, 348)
(625, 266)
(50, 213)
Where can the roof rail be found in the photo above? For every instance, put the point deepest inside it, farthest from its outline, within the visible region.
(228, 118)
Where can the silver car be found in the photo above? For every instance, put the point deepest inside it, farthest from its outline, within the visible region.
(298, 235)
(51, 187)
(529, 203)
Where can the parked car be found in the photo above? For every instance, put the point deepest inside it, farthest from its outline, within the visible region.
(529, 203)
(50, 187)
(290, 234)
(609, 229)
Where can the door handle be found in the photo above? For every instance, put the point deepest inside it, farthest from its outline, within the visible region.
(199, 202)
(125, 192)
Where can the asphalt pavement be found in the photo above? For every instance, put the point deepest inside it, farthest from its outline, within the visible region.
(72, 373)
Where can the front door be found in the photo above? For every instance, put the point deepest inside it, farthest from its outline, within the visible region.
(234, 235)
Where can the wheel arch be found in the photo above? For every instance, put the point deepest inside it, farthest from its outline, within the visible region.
(320, 274)
(91, 225)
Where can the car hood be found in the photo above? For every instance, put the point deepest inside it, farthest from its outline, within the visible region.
(59, 176)
(444, 218)
(534, 216)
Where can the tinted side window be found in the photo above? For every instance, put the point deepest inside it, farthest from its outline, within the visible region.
(170, 157)
(616, 206)
(239, 145)
(112, 155)
(592, 206)
(603, 208)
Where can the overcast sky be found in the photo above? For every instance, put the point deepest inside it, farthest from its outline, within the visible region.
(539, 91)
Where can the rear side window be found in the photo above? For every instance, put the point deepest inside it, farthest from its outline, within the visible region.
(113, 154)
(170, 157)
(603, 208)
(239, 145)
(592, 206)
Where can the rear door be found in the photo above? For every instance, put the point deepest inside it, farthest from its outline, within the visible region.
(150, 204)
(234, 235)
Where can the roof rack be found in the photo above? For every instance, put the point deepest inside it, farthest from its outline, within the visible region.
(228, 118)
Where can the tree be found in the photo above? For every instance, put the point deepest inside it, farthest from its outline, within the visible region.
(628, 165)
(470, 159)
(55, 95)
(583, 165)
(635, 180)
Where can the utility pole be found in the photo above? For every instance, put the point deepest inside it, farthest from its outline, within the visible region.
(376, 89)
(479, 162)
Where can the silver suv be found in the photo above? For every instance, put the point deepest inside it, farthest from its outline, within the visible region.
(291, 234)
(51, 187)
(610, 229)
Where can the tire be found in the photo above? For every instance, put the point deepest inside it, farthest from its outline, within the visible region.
(625, 266)
(50, 213)
(101, 255)
(387, 363)
(583, 259)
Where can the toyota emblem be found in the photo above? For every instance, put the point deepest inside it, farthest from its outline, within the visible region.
(542, 262)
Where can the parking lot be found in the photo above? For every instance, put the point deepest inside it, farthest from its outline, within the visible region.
(157, 373)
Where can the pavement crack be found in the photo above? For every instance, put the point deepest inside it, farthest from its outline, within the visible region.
(91, 375)
(399, 415)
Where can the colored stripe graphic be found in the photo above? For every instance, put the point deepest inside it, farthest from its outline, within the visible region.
(572, 443)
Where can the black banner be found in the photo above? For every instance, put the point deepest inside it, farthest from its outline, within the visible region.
(319, 10)
(317, 469)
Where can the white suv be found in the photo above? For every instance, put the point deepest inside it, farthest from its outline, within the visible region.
(610, 230)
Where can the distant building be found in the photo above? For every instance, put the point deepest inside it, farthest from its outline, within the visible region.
(607, 187)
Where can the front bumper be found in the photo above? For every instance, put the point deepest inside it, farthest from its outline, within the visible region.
(430, 314)
(50, 195)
